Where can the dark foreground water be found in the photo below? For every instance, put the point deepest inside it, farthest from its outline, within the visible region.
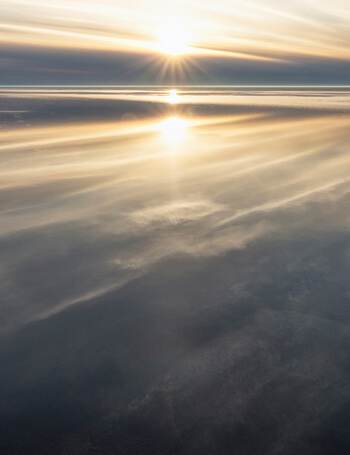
(174, 272)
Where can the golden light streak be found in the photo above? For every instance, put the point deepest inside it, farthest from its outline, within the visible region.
(283, 153)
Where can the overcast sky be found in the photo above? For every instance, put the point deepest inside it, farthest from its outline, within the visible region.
(266, 42)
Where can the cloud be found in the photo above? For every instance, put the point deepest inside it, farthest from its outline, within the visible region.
(89, 67)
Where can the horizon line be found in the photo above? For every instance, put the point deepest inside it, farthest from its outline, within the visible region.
(165, 86)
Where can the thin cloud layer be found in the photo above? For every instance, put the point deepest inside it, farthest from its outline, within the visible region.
(223, 41)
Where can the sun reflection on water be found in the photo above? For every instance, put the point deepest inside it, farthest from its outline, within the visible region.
(173, 97)
(173, 129)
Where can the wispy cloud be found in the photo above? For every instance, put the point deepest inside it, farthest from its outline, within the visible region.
(261, 31)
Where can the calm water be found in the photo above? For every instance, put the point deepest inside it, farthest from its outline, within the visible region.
(174, 272)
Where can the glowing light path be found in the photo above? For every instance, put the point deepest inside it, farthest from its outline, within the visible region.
(174, 129)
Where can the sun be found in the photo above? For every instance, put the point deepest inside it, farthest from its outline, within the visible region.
(173, 39)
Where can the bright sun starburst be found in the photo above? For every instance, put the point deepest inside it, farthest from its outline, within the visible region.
(174, 39)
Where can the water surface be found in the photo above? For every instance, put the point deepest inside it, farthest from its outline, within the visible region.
(174, 271)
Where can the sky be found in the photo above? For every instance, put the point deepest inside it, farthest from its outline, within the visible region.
(239, 42)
